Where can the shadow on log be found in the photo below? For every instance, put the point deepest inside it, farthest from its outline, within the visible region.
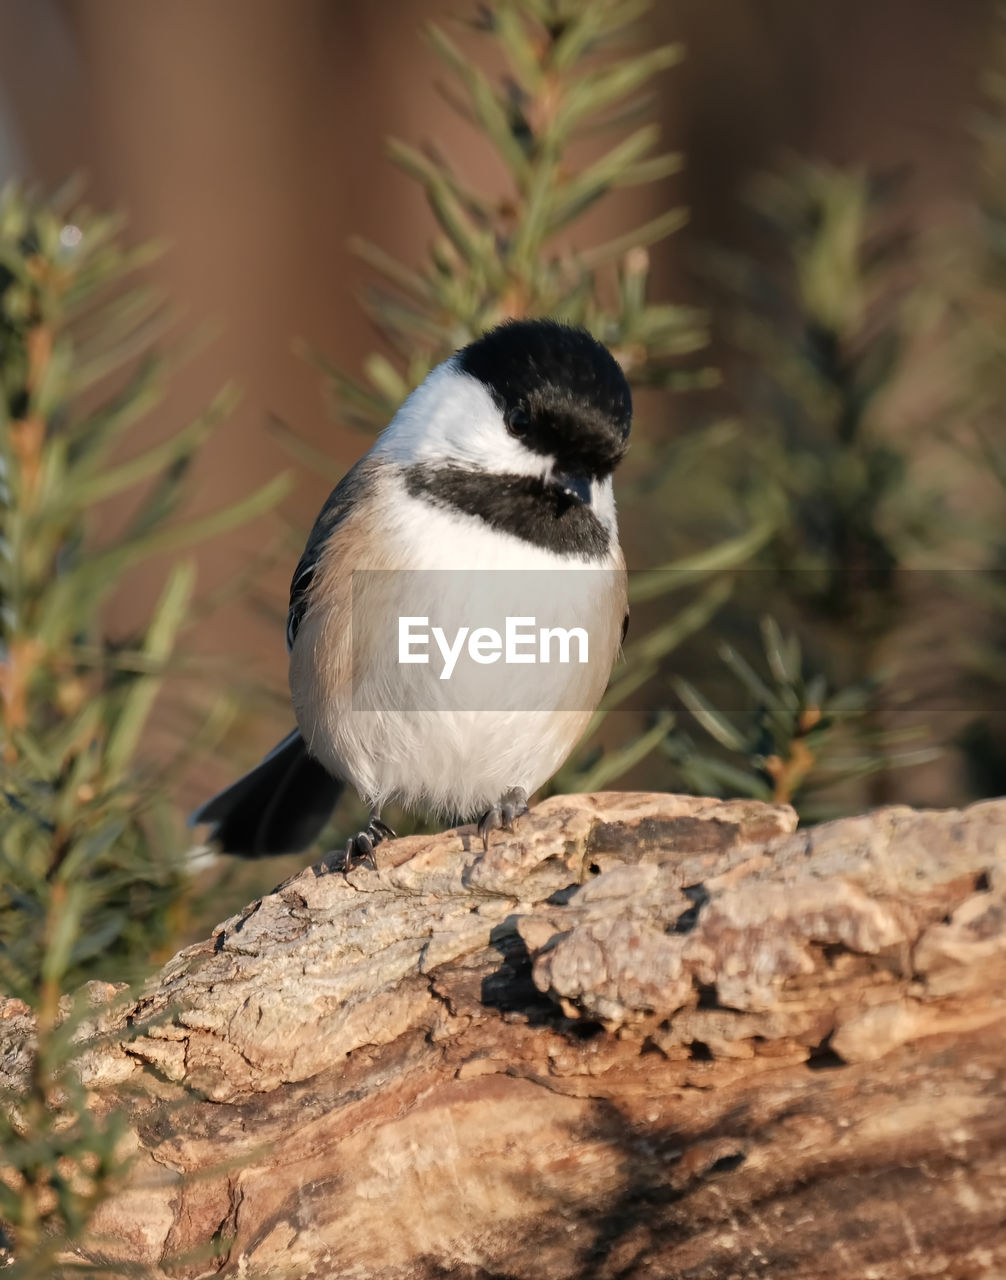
(648, 1035)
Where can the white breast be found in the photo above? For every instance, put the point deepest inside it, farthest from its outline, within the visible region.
(453, 747)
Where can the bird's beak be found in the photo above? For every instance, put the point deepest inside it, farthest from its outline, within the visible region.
(576, 488)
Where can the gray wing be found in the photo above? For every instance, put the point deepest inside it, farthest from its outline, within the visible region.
(351, 489)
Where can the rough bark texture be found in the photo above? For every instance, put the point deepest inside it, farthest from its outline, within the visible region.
(648, 1035)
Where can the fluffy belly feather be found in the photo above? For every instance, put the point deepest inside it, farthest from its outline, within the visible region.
(452, 764)
(449, 746)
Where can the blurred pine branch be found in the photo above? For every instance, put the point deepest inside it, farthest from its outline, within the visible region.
(81, 822)
(568, 124)
(819, 324)
(820, 321)
(514, 251)
(794, 740)
(58, 1160)
(91, 875)
(974, 301)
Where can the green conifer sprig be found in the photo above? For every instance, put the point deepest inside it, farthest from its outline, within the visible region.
(798, 739)
(821, 321)
(973, 297)
(91, 877)
(86, 866)
(516, 250)
(567, 125)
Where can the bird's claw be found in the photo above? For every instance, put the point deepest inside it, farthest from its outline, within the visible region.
(504, 815)
(379, 829)
(360, 848)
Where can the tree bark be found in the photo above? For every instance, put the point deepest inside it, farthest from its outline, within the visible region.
(646, 1036)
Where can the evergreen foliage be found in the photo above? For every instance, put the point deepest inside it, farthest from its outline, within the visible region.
(794, 742)
(975, 301)
(90, 851)
(515, 251)
(85, 843)
(567, 126)
(819, 322)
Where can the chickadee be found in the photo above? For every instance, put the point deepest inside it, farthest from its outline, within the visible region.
(496, 468)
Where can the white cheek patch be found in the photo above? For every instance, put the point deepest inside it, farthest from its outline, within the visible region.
(602, 499)
(452, 418)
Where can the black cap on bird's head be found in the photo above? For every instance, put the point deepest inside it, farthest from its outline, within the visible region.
(561, 392)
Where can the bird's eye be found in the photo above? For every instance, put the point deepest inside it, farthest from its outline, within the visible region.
(517, 420)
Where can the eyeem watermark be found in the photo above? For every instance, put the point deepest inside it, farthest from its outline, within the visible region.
(475, 640)
(522, 642)
(484, 640)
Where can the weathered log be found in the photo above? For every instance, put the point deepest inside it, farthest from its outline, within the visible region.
(647, 1035)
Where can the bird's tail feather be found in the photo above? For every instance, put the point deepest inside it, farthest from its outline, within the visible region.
(280, 806)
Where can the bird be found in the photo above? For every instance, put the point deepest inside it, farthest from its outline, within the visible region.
(489, 493)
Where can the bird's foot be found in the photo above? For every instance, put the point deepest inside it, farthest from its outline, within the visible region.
(504, 814)
(360, 848)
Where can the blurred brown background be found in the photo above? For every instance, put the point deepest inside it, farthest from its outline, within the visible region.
(250, 134)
